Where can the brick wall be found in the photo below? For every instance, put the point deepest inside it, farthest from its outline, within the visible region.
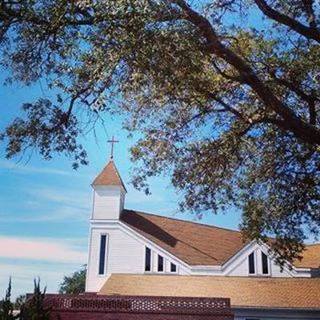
(82, 307)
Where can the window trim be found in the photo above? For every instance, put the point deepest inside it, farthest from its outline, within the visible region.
(254, 264)
(145, 259)
(268, 264)
(106, 251)
(171, 263)
(163, 264)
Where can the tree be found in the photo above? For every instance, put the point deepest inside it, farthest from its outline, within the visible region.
(228, 107)
(20, 301)
(34, 308)
(31, 309)
(6, 306)
(75, 283)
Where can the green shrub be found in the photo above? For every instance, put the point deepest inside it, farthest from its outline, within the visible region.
(6, 306)
(75, 283)
(33, 308)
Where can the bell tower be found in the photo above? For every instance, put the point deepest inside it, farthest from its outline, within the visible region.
(108, 202)
(108, 193)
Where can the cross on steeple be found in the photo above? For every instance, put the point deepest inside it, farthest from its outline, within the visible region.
(112, 141)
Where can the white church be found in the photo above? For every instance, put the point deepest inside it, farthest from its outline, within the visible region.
(141, 254)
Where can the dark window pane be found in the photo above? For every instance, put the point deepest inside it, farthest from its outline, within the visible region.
(102, 257)
(160, 263)
(173, 267)
(251, 264)
(148, 260)
(265, 267)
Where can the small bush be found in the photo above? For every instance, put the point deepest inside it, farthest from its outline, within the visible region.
(33, 308)
(75, 283)
(6, 306)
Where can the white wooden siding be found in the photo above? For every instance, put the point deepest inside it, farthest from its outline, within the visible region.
(107, 202)
(125, 254)
(241, 266)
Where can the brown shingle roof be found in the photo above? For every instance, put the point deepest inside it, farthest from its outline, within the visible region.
(109, 176)
(193, 243)
(199, 244)
(243, 291)
(310, 257)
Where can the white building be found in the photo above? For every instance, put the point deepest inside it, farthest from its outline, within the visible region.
(135, 253)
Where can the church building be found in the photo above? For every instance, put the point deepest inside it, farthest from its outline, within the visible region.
(133, 253)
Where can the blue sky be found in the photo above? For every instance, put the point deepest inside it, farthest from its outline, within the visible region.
(45, 205)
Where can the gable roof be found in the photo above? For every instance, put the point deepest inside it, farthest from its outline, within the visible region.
(109, 176)
(199, 244)
(193, 243)
(303, 293)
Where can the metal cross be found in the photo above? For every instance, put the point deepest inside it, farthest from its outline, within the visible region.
(112, 141)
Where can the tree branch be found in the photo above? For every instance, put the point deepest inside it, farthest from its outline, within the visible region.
(228, 107)
(7, 12)
(310, 99)
(296, 125)
(308, 32)
(279, 123)
(201, 114)
(225, 75)
(308, 4)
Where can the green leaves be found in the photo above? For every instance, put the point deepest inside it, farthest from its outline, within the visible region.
(34, 308)
(25, 309)
(47, 128)
(6, 306)
(74, 284)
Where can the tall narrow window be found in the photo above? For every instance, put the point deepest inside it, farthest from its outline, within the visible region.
(265, 266)
(173, 267)
(102, 256)
(147, 266)
(252, 269)
(160, 263)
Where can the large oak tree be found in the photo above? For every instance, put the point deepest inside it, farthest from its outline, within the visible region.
(225, 94)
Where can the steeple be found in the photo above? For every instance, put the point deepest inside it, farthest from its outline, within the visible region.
(109, 193)
(109, 176)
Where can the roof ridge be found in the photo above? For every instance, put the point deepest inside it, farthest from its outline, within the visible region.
(251, 278)
(118, 174)
(180, 220)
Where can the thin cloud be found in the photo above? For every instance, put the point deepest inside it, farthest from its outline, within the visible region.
(58, 215)
(50, 204)
(135, 196)
(66, 197)
(26, 169)
(40, 249)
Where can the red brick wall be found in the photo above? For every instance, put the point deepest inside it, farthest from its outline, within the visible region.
(91, 307)
(127, 316)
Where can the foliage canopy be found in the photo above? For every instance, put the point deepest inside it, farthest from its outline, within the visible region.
(75, 283)
(228, 105)
(23, 309)
(6, 306)
(34, 308)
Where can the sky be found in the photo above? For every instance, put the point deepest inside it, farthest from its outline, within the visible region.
(45, 205)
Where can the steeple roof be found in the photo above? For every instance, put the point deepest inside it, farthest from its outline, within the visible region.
(109, 176)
